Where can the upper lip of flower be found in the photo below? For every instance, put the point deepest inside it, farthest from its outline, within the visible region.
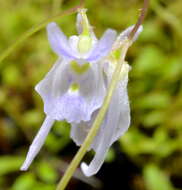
(63, 48)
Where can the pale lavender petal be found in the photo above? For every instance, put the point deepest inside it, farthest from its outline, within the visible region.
(103, 46)
(73, 42)
(92, 87)
(124, 118)
(80, 130)
(111, 123)
(72, 107)
(60, 103)
(50, 87)
(123, 103)
(116, 123)
(44, 87)
(38, 142)
(58, 41)
(79, 106)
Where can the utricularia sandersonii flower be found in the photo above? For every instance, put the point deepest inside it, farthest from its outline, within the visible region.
(75, 87)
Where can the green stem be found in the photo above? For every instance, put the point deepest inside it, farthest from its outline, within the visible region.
(95, 127)
(35, 29)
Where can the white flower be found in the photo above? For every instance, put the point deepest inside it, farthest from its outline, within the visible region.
(74, 88)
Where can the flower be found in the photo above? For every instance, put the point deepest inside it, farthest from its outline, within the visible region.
(76, 79)
(75, 87)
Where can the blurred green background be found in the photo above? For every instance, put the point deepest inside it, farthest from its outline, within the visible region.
(149, 155)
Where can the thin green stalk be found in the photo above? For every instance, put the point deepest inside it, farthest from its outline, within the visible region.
(36, 28)
(97, 123)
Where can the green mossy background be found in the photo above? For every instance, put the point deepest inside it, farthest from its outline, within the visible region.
(153, 142)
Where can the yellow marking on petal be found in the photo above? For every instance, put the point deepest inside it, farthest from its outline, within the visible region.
(117, 54)
(79, 69)
(74, 87)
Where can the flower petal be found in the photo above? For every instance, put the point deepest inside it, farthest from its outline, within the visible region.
(105, 138)
(93, 88)
(37, 142)
(62, 103)
(89, 97)
(80, 130)
(58, 41)
(124, 118)
(73, 42)
(52, 86)
(72, 107)
(103, 46)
